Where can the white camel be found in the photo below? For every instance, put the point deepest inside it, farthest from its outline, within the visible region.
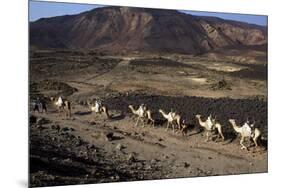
(172, 118)
(99, 108)
(62, 104)
(140, 112)
(210, 125)
(246, 131)
(148, 115)
(216, 126)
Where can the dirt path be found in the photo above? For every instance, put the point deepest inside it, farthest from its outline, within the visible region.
(112, 76)
(185, 156)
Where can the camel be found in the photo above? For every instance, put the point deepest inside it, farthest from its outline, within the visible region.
(62, 104)
(184, 127)
(99, 108)
(216, 125)
(140, 112)
(172, 118)
(246, 131)
(40, 106)
(148, 115)
(209, 125)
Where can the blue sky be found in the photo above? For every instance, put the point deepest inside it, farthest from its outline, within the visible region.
(49, 9)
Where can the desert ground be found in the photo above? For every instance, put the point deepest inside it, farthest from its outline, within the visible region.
(90, 148)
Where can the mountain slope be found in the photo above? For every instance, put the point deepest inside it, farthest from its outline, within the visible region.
(138, 29)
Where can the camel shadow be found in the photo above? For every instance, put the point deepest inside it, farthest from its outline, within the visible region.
(197, 132)
(82, 113)
(117, 138)
(264, 143)
(160, 122)
(117, 117)
(230, 137)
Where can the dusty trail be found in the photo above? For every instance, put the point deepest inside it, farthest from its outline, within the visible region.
(185, 156)
(100, 82)
(115, 75)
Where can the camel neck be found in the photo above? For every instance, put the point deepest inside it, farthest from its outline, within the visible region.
(235, 127)
(132, 108)
(200, 121)
(164, 114)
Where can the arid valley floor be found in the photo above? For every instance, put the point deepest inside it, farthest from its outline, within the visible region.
(89, 148)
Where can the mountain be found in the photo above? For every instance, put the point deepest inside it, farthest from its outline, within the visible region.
(138, 29)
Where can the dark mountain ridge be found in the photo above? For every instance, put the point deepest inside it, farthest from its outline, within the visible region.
(126, 29)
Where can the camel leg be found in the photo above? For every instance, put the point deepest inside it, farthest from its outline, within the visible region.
(60, 110)
(152, 122)
(137, 121)
(207, 134)
(241, 143)
(167, 126)
(217, 137)
(183, 131)
(66, 112)
(173, 125)
(220, 132)
(255, 139)
(143, 125)
(180, 127)
(222, 136)
(69, 113)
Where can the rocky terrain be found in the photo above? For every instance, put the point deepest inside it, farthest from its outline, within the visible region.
(89, 148)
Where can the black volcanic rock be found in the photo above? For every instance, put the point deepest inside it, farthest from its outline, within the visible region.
(122, 29)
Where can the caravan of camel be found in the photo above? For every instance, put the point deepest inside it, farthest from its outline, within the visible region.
(246, 131)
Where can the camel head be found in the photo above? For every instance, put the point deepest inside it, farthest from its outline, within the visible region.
(252, 125)
(232, 121)
(144, 107)
(209, 118)
(198, 116)
(248, 121)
